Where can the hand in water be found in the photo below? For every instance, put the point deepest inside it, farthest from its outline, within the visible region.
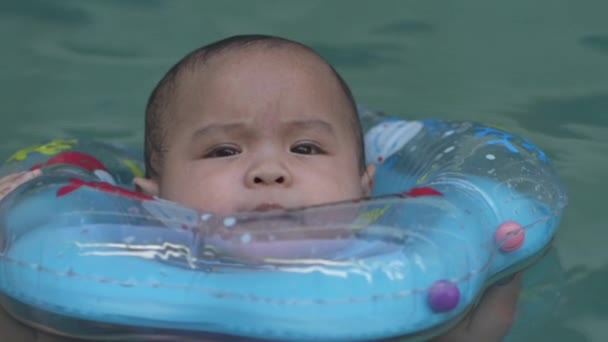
(10, 182)
(491, 319)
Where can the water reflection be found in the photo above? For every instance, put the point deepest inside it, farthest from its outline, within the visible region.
(568, 302)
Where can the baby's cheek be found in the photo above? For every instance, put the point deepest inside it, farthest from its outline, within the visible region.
(218, 196)
(186, 193)
(321, 192)
(345, 187)
(202, 188)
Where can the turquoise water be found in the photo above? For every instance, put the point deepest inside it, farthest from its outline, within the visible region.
(536, 68)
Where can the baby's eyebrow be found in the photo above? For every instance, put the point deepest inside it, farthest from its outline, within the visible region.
(314, 124)
(226, 128)
(294, 125)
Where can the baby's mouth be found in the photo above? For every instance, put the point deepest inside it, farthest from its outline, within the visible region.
(268, 207)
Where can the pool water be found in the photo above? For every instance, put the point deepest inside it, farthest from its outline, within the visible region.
(535, 68)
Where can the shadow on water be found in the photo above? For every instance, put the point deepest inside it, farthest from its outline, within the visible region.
(84, 48)
(66, 13)
(55, 12)
(368, 55)
(598, 43)
(552, 116)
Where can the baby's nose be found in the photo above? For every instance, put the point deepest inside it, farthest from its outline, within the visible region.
(269, 179)
(267, 175)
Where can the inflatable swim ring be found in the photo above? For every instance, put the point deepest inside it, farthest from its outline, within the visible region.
(456, 206)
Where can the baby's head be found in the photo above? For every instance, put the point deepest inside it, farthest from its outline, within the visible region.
(253, 123)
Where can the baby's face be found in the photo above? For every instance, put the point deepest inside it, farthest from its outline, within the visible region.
(260, 130)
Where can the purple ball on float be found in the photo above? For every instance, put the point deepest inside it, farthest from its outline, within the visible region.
(443, 296)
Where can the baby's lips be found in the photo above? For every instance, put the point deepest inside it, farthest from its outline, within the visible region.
(268, 207)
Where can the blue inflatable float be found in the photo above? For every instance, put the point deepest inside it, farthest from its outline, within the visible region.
(456, 206)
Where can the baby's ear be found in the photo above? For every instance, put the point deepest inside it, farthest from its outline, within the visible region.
(146, 185)
(367, 179)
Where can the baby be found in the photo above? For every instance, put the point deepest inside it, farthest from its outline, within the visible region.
(255, 123)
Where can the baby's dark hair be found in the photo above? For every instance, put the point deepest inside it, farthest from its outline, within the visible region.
(159, 103)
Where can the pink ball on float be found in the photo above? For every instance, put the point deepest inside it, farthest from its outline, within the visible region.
(510, 235)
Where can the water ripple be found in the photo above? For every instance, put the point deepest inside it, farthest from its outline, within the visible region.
(405, 26)
(358, 55)
(97, 53)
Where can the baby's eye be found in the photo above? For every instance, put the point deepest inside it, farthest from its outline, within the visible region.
(222, 152)
(306, 148)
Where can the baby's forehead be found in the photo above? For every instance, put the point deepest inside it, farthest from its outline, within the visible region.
(232, 70)
(286, 56)
(315, 81)
(275, 51)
